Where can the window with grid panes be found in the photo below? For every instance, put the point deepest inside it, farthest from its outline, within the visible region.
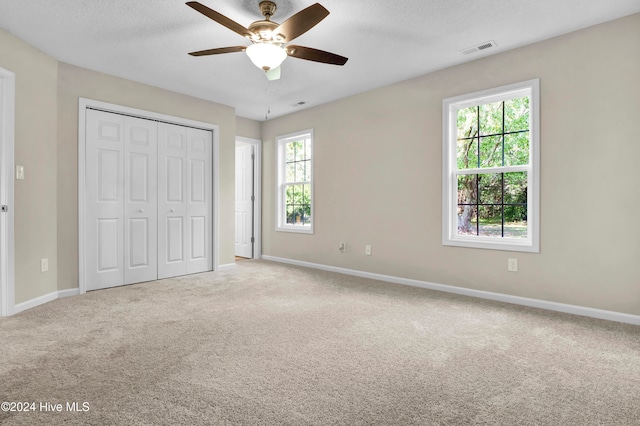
(295, 189)
(491, 172)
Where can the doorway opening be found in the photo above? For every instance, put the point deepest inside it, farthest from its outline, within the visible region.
(248, 200)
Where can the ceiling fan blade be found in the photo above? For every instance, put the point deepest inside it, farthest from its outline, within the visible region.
(219, 18)
(302, 22)
(311, 54)
(219, 50)
(273, 74)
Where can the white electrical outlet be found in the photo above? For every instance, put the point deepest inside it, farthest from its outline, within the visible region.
(367, 250)
(342, 247)
(512, 264)
(44, 265)
(19, 172)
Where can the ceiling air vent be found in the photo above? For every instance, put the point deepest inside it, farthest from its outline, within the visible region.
(477, 48)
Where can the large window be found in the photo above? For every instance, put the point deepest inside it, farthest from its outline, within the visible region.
(491, 168)
(295, 182)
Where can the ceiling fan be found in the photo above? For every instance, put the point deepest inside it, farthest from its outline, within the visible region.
(269, 39)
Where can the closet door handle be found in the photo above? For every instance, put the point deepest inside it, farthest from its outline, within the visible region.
(141, 211)
(172, 211)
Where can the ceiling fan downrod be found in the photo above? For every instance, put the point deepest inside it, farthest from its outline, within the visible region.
(267, 8)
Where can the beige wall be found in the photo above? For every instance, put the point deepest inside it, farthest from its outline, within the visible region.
(46, 202)
(378, 165)
(35, 149)
(75, 82)
(248, 128)
(378, 170)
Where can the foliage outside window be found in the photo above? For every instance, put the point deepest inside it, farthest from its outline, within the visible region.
(295, 188)
(491, 171)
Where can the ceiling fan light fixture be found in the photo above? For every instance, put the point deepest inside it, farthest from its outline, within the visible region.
(266, 56)
(267, 50)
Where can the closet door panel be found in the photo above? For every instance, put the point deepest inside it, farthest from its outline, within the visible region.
(172, 205)
(141, 200)
(175, 239)
(185, 200)
(104, 201)
(199, 146)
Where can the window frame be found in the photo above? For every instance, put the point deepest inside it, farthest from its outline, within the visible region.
(450, 107)
(281, 220)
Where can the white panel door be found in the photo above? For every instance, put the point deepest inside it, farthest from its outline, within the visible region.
(121, 200)
(200, 200)
(104, 217)
(172, 203)
(244, 203)
(141, 200)
(2, 173)
(148, 199)
(184, 200)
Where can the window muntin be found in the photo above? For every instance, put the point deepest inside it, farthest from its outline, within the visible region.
(295, 189)
(490, 180)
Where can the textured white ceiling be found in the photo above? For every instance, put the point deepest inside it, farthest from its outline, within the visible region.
(385, 41)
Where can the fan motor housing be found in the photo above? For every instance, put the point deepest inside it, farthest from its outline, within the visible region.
(263, 31)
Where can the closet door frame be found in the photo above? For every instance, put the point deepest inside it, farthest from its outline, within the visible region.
(83, 105)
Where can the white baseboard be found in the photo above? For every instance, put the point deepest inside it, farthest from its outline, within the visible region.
(74, 292)
(517, 300)
(44, 299)
(226, 267)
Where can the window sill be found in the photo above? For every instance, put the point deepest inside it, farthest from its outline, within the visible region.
(295, 229)
(490, 244)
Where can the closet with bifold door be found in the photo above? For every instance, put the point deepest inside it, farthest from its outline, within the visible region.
(148, 200)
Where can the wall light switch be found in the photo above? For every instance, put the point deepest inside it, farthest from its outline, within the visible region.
(20, 172)
(367, 250)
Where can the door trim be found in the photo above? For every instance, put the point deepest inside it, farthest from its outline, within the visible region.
(83, 105)
(7, 146)
(257, 185)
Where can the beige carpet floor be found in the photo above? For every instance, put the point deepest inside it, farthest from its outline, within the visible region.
(268, 343)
